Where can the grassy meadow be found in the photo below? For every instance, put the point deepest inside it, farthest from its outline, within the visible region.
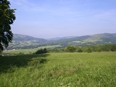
(96, 69)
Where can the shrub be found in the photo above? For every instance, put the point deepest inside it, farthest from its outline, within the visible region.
(71, 49)
(88, 50)
(41, 51)
(79, 50)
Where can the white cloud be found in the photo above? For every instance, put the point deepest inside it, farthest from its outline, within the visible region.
(108, 16)
(29, 6)
(23, 4)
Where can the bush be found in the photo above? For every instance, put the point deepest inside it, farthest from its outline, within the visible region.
(79, 50)
(88, 50)
(71, 49)
(41, 51)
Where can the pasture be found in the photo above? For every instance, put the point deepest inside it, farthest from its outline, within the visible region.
(97, 69)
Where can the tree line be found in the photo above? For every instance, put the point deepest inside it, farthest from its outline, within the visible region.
(95, 48)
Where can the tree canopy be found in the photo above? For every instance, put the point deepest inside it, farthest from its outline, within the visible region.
(7, 18)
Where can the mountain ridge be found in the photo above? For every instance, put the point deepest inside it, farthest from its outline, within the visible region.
(25, 41)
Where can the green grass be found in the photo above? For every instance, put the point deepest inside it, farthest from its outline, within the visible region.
(29, 51)
(59, 70)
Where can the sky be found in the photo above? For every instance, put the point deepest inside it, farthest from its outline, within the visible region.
(61, 18)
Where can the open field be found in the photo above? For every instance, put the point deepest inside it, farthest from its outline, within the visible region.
(97, 69)
(30, 50)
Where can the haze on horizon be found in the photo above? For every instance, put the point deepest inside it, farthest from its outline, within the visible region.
(60, 18)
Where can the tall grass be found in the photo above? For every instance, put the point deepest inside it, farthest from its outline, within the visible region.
(59, 70)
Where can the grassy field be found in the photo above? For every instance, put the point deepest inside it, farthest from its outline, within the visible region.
(59, 70)
(30, 50)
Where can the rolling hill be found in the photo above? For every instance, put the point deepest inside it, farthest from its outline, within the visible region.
(105, 38)
(24, 41)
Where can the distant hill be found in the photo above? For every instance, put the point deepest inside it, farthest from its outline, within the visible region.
(24, 41)
(105, 38)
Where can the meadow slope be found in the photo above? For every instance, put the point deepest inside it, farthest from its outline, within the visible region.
(97, 69)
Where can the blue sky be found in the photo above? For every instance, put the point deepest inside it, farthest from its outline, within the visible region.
(60, 18)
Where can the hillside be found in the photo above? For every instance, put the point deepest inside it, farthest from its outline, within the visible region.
(105, 38)
(23, 41)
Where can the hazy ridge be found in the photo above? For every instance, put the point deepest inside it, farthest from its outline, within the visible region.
(24, 41)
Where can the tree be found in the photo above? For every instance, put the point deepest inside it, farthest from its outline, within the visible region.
(79, 50)
(71, 49)
(7, 18)
(41, 51)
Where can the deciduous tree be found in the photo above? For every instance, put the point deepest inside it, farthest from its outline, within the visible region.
(7, 18)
